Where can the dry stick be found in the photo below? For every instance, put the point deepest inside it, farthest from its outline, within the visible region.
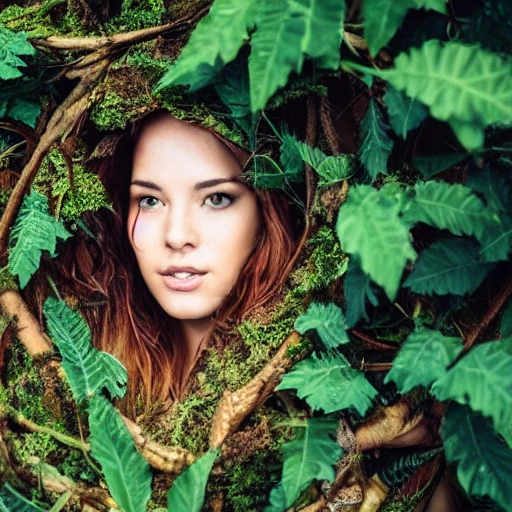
(493, 310)
(6, 411)
(235, 406)
(29, 331)
(61, 122)
(127, 38)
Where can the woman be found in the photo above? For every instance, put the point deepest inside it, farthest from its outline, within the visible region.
(190, 248)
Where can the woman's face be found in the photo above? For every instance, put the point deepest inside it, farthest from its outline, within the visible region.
(191, 223)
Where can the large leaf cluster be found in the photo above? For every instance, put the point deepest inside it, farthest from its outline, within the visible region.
(476, 385)
(282, 35)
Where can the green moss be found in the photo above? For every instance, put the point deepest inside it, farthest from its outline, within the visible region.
(136, 15)
(326, 263)
(70, 202)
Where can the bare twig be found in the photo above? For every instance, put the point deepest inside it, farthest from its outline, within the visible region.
(118, 40)
(234, 406)
(29, 331)
(496, 305)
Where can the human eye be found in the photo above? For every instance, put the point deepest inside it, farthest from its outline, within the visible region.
(219, 200)
(149, 202)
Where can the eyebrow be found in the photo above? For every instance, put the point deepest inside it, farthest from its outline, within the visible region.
(198, 186)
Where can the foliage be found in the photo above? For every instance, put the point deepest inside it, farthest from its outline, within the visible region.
(310, 456)
(484, 462)
(193, 479)
(88, 369)
(369, 226)
(330, 384)
(327, 320)
(34, 231)
(285, 32)
(375, 145)
(11, 500)
(13, 46)
(127, 473)
(429, 353)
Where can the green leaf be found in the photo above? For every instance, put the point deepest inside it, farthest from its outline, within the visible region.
(448, 206)
(369, 226)
(328, 321)
(88, 369)
(432, 164)
(34, 231)
(309, 457)
(484, 462)
(374, 144)
(405, 114)
(465, 86)
(12, 501)
(400, 467)
(330, 169)
(382, 18)
(423, 359)
(330, 384)
(232, 88)
(449, 265)
(496, 240)
(481, 379)
(323, 22)
(506, 322)
(357, 288)
(268, 175)
(214, 42)
(290, 157)
(434, 5)
(127, 473)
(277, 499)
(187, 492)
(494, 187)
(275, 50)
(13, 44)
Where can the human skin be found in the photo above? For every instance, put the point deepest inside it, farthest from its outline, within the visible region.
(191, 222)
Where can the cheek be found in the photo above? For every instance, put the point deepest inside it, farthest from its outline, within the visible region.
(139, 231)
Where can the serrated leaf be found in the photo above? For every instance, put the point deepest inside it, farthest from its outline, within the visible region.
(12, 501)
(357, 288)
(465, 86)
(448, 206)
(268, 175)
(330, 384)
(309, 457)
(126, 472)
(34, 231)
(88, 369)
(450, 265)
(484, 462)
(374, 144)
(395, 468)
(214, 42)
(433, 164)
(323, 20)
(187, 492)
(290, 157)
(369, 226)
(481, 379)
(423, 359)
(330, 169)
(13, 44)
(275, 50)
(382, 18)
(496, 240)
(405, 114)
(328, 321)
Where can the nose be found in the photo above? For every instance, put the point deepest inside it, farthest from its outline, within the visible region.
(180, 231)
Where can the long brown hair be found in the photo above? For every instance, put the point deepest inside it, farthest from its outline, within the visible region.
(125, 319)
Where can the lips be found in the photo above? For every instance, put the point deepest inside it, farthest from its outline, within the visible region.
(182, 279)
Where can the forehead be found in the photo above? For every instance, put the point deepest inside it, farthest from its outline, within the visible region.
(174, 147)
